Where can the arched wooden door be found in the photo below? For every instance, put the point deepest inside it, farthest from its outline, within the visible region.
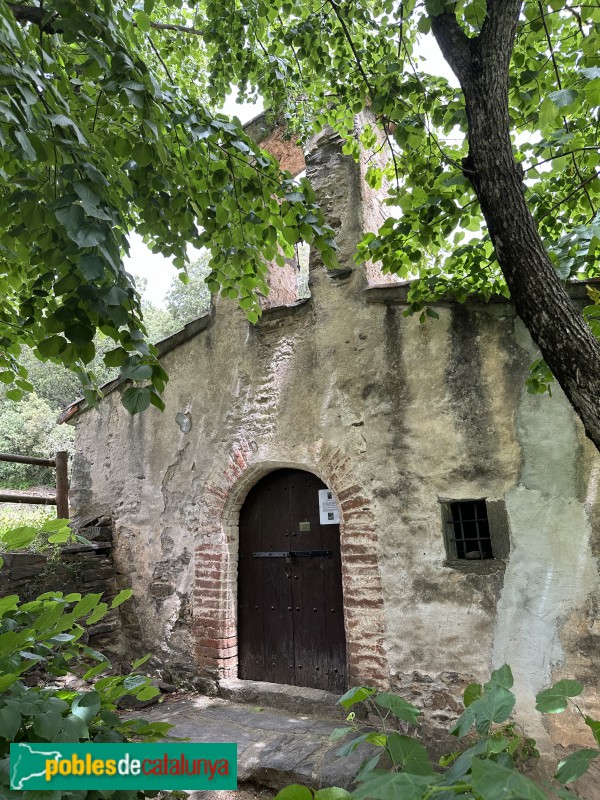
(290, 612)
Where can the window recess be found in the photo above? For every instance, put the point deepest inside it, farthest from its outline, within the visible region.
(475, 530)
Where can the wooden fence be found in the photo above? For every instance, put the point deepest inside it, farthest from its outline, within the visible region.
(60, 498)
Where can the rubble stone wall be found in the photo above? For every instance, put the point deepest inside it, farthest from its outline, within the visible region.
(398, 418)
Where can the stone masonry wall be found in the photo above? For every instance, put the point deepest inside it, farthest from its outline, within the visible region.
(397, 418)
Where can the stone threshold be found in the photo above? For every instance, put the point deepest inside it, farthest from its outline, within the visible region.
(295, 699)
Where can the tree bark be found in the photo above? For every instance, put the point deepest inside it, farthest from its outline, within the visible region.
(567, 343)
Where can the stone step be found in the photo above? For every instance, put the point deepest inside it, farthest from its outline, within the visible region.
(296, 699)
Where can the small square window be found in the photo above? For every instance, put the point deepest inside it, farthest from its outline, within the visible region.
(467, 530)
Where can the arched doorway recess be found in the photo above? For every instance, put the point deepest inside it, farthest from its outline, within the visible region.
(290, 602)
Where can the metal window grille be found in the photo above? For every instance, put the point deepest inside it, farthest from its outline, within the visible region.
(468, 530)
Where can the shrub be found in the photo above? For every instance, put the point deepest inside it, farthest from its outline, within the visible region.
(49, 634)
(486, 769)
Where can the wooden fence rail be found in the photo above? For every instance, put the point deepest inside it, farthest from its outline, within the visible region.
(61, 496)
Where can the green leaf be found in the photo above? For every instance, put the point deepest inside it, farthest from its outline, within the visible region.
(115, 358)
(7, 680)
(575, 765)
(332, 793)
(142, 20)
(86, 706)
(133, 682)
(92, 267)
(137, 664)
(97, 614)
(350, 746)
(98, 669)
(137, 372)
(554, 700)
(494, 782)
(563, 97)
(56, 525)
(409, 754)
(78, 333)
(8, 603)
(123, 595)
(367, 766)
(10, 721)
(72, 217)
(355, 695)
(294, 792)
(47, 725)
(495, 705)
(52, 346)
(472, 693)
(90, 235)
(338, 733)
(595, 726)
(73, 729)
(136, 399)
(147, 693)
(24, 141)
(85, 605)
(396, 786)
(399, 707)
(19, 537)
(501, 677)
(548, 112)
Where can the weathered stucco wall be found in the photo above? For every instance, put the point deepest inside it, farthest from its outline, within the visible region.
(396, 417)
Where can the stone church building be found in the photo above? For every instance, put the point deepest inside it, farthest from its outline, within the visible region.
(341, 495)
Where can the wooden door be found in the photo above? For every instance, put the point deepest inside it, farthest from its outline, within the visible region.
(290, 612)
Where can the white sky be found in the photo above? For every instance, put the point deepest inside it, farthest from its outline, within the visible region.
(159, 271)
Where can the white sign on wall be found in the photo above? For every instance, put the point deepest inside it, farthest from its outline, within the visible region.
(328, 510)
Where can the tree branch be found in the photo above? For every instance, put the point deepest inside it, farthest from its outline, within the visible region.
(580, 187)
(454, 43)
(500, 27)
(163, 26)
(565, 122)
(35, 15)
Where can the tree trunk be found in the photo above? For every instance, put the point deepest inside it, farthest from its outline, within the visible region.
(568, 345)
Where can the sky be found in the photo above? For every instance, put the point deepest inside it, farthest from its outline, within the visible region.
(158, 271)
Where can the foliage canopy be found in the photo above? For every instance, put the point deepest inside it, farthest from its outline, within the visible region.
(105, 129)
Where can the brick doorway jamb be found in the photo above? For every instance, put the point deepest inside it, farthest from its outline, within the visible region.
(216, 557)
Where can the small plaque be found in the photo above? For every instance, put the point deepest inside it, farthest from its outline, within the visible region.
(304, 526)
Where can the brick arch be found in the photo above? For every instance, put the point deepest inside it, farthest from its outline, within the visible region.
(215, 593)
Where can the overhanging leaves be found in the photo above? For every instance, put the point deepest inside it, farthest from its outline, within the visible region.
(495, 782)
(95, 143)
(355, 695)
(409, 755)
(575, 765)
(555, 699)
(399, 707)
